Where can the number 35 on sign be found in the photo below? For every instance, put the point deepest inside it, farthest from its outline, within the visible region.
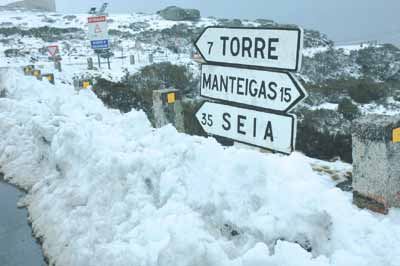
(265, 130)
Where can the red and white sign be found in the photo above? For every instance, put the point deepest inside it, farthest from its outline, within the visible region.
(97, 19)
(98, 29)
(53, 50)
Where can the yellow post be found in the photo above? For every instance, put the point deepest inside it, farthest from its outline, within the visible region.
(49, 77)
(171, 97)
(38, 74)
(28, 70)
(86, 84)
(396, 135)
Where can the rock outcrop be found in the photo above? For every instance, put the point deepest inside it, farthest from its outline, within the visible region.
(42, 5)
(177, 14)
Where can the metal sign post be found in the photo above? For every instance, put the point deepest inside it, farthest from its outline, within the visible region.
(98, 36)
(55, 55)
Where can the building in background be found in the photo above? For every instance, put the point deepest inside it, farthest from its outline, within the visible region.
(40, 5)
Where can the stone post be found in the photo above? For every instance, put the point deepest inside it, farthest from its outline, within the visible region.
(132, 59)
(376, 162)
(57, 65)
(90, 63)
(167, 108)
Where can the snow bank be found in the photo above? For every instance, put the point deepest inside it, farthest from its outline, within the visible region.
(108, 189)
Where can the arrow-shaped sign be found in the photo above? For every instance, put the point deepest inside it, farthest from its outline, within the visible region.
(278, 48)
(264, 89)
(261, 129)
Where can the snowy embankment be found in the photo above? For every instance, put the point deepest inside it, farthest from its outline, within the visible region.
(108, 189)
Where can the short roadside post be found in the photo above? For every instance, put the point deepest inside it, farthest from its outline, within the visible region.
(28, 70)
(55, 55)
(250, 70)
(90, 63)
(49, 77)
(167, 108)
(37, 73)
(376, 162)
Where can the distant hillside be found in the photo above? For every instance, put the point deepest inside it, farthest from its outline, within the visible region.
(41, 5)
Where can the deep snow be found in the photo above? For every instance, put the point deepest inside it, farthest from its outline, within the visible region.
(108, 189)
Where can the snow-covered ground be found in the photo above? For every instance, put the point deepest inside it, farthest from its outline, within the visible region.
(76, 51)
(106, 188)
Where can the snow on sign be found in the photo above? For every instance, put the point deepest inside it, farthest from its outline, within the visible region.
(98, 32)
(277, 48)
(266, 130)
(264, 89)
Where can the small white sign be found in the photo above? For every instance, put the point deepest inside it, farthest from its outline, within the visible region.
(277, 48)
(98, 29)
(265, 89)
(53, 50)
(266, 130)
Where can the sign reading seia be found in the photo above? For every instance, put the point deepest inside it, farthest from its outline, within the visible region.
(265, 130)
(277, 48)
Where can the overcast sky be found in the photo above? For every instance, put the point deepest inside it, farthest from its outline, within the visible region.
(343, 20)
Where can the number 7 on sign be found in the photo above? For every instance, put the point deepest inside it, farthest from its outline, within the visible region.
(211, 45)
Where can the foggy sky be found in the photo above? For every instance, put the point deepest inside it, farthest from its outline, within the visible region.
(344, 21)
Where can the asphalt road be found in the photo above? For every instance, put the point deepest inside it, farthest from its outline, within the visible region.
(17, 246)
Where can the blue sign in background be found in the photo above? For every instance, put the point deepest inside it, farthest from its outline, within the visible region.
(99, 44)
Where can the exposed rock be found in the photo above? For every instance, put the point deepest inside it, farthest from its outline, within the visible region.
(177, 14)
(345, 186)
(364, 202)
(138, 26)
(313, 38)
(41, 5)
(69, 17)
(230, 22)
(265, 22)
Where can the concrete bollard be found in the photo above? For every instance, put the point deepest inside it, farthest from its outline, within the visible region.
(49, 77)
(37, 73)
(167, 108)
(90, 63)
(132, 59)
(57, 65)
(376, 162)
(151, 58)
(28, 70)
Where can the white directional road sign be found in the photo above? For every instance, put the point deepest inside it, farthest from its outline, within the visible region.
(265, 89)
(266, 130)
(278, 48)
